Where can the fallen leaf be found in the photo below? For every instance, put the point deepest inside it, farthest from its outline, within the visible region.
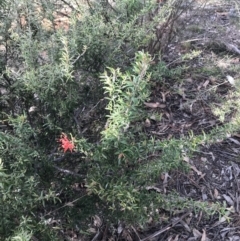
(236, 169)
(235, 60)
(92, 230)
(186, 159)
(234, 140)
(224, 232)
(156, 117)
(205, 84)
(176, 238)
(126, 235)
(152, 117)
(168, 115)
(120, 228)
(196, 170)
(190, 80)
(147, 123)
(221, 220)
(228, 200)
(204, 196)
(231, 80)
(216, 194)
(199, 86)
(169, 136)
(69, 204)
(165, 182)
(203, 159)
(204, 236)
(166, 176)
(97, 221)
(196, 233)
(212, 80)
(185, 226)
(32, 109)
(189, 219)
(181, 91)
(153, 188)
(162, 176)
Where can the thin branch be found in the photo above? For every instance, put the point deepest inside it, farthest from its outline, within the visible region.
(65, 205)
(112, 7)
(61, 158)
(76, 2)
(68, 172)
(96, 236)
(89, 5)
(135, 232)
(166, 228)
(69, 5)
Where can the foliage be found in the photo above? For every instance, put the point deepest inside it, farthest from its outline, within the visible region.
(88, 76)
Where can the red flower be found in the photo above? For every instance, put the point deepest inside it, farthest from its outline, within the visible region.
(66, 144)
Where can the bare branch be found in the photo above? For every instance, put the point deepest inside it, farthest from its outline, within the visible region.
(68, 172)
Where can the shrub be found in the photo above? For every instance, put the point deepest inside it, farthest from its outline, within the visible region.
(53, 81)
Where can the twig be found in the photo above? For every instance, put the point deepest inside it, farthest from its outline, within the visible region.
(166, 228)
(69, 5)
(65, 205)
(59, 159)
(192, 40)
(76, 2)
(63, 14)
(80, 55)
(105, 233)
(232, 48)
(135, 232)
(96, 236)
(112, 7)
(68, 172)
(89, 5)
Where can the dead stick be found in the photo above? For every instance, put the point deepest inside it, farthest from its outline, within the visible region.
(166, 228)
